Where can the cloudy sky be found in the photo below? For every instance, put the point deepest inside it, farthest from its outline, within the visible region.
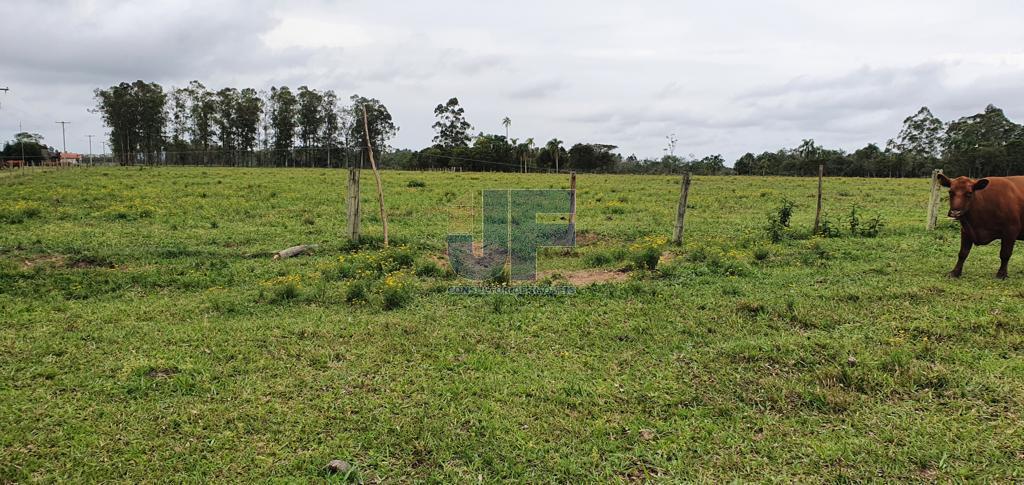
(725, 77)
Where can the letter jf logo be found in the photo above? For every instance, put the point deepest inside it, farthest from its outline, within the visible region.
(512, 234)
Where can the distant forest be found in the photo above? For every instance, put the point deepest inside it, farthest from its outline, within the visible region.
(194, 125)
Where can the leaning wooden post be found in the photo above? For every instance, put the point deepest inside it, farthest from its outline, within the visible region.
(353, 203)
(376, 176)
(572, 199)
(684, 194)
(817, 214)
(933, 200)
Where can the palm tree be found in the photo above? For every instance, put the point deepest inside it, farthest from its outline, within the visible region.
(507, 122)
(555, 146)
(527, 154)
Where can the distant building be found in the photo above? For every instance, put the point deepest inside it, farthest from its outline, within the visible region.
(68, 158)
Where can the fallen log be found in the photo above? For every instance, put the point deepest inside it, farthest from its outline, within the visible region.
(294, 251)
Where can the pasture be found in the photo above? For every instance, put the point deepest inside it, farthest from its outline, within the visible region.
(146, 335)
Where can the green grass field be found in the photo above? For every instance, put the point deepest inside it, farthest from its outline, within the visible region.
(146, 335)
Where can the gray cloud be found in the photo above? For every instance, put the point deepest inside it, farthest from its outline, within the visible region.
(537, 90)
(724, 80)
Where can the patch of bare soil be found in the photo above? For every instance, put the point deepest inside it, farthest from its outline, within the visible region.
(56, 260)
(62, 261)
(586, 238)
(586, 277)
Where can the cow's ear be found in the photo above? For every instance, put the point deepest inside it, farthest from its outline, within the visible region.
(944, 180)
(981, 184)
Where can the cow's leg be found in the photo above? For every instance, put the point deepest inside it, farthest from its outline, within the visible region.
(965, 250)
(1004, 256)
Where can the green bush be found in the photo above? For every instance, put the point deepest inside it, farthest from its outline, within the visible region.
(778, 221)
(396, 291)
(416, 183)
(827, 228)
(428, 269)
(762, 253)
(357, 291)
(646, 252)
(283, 289)
(603, 258)
(864, 228)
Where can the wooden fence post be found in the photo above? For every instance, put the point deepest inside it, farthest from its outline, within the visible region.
(933, 200)
(353, 203)
(817, 214)
(376, 176)
(684, 194)
(572, 199)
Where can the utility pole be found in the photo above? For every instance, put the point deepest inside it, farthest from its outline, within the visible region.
(63, 135)
(90, 148)
(22, 144)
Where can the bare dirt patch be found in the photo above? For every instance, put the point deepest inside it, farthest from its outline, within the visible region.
(587, 277)
(586, 238)
(55, 260)
(60, 261)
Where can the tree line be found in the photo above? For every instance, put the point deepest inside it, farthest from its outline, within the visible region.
(194, 125)
(987, 143)
(313, 128)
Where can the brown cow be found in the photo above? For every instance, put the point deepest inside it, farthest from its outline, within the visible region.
(988, 209)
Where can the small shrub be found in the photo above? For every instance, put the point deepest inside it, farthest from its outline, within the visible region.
(646, 252)
(698, 255)
(873, 227)
(416, 183)
(761, 253)
(603, 258)
(428, 269)
(357, 291)
(308, 220)
(778, 221)
(827, 228)
(396, 291)
(501, 275)
(861, 228)
(283, 288)
(785, 212)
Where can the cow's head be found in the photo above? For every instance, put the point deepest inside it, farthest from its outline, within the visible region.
(961, 193)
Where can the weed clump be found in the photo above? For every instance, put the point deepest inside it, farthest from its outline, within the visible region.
(827, 228)
(778, 221)
(20, 212)
(428, 269)
(864, 227)
(282, 289)
(396, 291)
(646, 252)
(604, 258)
